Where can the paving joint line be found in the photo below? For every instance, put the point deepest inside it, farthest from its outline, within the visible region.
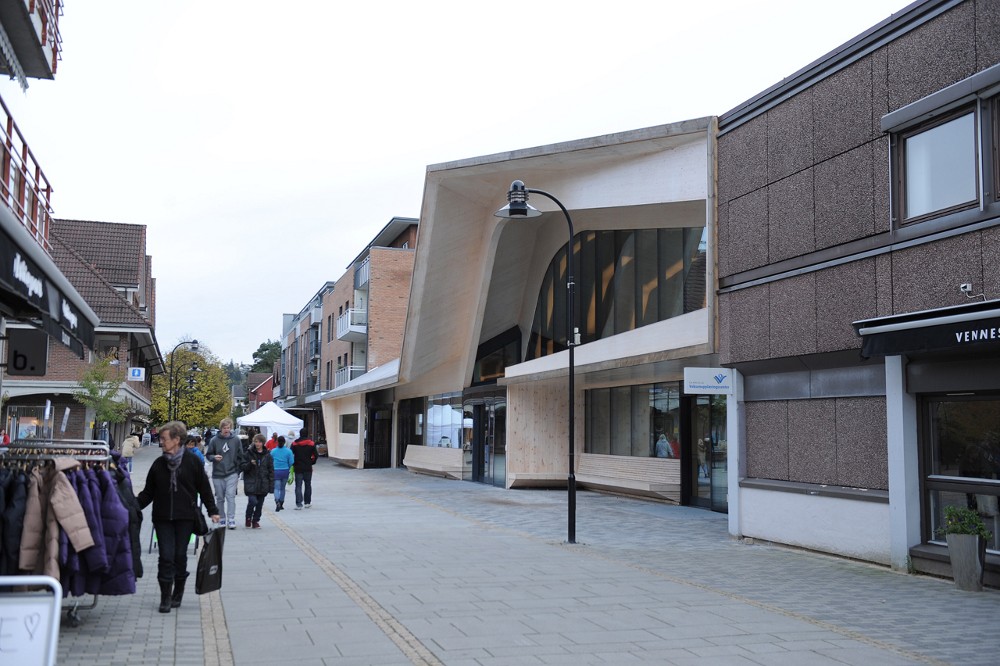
(409, 645)
(218, 648)
(847, 633)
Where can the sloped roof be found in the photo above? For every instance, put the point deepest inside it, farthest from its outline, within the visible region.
(110, 306)
(115, 249)
(255, 379)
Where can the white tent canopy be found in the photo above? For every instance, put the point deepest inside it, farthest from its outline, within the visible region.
(273, 419)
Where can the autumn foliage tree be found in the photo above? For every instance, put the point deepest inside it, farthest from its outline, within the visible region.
(201, 397)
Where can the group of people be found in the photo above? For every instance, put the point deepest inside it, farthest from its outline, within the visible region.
(177, 479)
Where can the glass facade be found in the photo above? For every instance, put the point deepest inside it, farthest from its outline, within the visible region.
(625, 279)
(642, 420)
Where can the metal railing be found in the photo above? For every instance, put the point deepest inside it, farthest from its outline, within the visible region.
(362, 275)
(348, 372)
(49, 12)
(23, 186)
(353, 318)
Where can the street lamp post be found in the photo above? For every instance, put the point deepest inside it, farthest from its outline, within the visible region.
(517, 207)
(170, 387)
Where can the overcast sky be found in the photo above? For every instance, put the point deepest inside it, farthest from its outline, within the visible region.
(264, 144)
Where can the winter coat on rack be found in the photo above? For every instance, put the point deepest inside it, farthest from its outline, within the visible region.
(13, 522)
(120, 577)
(123, 486)
(52, 504)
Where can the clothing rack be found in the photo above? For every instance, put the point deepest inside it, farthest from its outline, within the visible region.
(83, 450)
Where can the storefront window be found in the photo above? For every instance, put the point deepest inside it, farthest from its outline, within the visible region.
(963, 460)
(446, 424)
(641, 420)
(28, 422)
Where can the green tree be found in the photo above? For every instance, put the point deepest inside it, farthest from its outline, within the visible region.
(235, 372)
(200, 397)
(267, 354)
(99, 387)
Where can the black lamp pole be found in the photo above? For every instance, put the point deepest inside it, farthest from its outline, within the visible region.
(517, 207)
(170, 388)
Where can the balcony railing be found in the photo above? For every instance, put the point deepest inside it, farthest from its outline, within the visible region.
(314, 348)
(352, 326)
(349, 372)
(23, 187)
(362, 274)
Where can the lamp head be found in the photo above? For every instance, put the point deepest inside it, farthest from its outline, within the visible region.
(517, 203)
(194, 345)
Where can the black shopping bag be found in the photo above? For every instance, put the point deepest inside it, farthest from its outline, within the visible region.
(208, 578)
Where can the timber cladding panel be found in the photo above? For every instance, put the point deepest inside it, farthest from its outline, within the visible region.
(538, 413)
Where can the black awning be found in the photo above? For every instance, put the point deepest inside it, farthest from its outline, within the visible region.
(33, 289)
(973, 327)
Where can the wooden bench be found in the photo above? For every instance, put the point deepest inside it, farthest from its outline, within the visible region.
(434, 460)
(650, 477)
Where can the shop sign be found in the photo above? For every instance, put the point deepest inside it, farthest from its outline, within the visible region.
(708, 381)
(969, 335)
(137, 374)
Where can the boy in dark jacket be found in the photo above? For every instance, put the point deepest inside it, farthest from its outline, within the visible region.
(258, 479)
(304, 450)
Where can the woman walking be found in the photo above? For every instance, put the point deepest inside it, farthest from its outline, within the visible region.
(283, 460)
(173, 484)
(258, 479)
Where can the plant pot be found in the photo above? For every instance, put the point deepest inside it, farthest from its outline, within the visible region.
(968, 554)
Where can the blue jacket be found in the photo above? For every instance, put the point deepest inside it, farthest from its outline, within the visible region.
(283, 459)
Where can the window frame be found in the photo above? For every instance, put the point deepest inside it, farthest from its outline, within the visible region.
(900, 176)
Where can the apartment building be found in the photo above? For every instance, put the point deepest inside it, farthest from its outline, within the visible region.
(365, 315)
(301, 367)
(858, 222)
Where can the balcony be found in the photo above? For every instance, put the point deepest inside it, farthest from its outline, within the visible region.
(315, 349)
(347, 373)
(23, 187)
(32, 46)
(352, 326)
(362, 273)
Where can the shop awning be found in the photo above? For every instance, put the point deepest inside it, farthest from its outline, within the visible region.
(973, 326)
(33, 289)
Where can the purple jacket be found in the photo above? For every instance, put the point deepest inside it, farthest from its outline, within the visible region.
(120, 579)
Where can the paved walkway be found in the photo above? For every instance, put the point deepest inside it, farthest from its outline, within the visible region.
(393, 568)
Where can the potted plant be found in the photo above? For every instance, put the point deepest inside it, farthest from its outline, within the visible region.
(967, 535)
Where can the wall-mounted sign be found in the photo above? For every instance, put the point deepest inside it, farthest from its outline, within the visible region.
(708, 381)
(28, 352)
(137, 374)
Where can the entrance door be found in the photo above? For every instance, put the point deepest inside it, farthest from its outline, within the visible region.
(378, 440)
(704, 467)
(486, 458)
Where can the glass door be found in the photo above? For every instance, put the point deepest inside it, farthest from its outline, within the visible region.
(485, 454)
(706, 467)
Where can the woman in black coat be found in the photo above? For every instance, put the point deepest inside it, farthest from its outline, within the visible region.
(258, 479)
(174, 482)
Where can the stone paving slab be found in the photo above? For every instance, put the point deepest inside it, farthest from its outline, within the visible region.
(391, 568)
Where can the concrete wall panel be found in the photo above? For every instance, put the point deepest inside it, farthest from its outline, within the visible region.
(790, 137)
(742, 159)
(933, 56)
(812, 441)
(987, 29)
(767, 440)
(844, 208)
(844, 294)
(862, 453)
(843, 111)
(790, 217)
(793, 316)
(747, 247)
(747, 327)
(927, 276)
